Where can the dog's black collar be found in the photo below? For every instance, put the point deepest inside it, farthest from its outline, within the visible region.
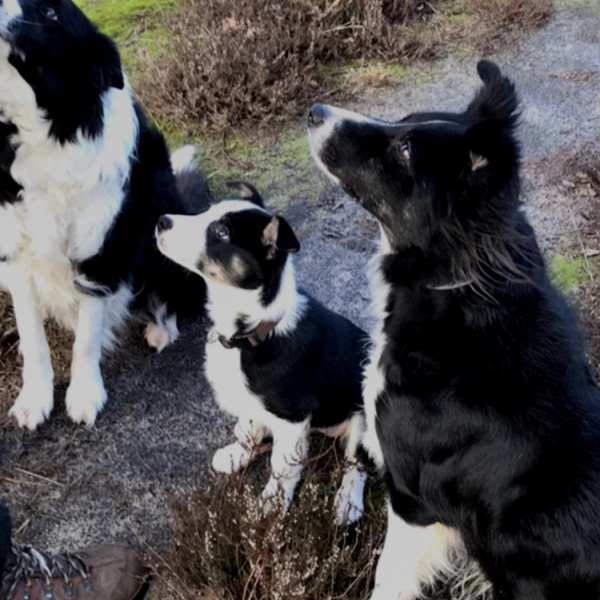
(251, 339)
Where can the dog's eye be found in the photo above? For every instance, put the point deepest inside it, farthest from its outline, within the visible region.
(403, 150)
(49, 12)
(222, 232)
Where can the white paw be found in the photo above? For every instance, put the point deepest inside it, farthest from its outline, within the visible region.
(161, 336)
(230, 459)
(349, 503)
(85, 398)
(34, 405)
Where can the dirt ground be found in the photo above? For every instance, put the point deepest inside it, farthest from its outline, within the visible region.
(70, 486)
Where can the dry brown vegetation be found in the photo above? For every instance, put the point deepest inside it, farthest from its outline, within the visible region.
(238, 62)
(581, 178)
(228, 550)
(499, 20)
(235, 63)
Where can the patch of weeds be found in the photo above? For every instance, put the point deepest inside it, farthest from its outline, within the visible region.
(497, 21)
(569, 272)
(234, 63)
(227, 549)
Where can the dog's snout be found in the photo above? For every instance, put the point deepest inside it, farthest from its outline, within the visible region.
(164, 223)
(317, 115)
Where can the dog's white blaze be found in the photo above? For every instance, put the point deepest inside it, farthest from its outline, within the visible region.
(71, 195)
(413, 557)
(185, 242)
(10, 10)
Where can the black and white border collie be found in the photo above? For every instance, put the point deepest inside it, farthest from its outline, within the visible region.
(83, 180)
(481, 407)
(277, 360)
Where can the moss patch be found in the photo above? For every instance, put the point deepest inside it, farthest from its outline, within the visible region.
(278, 164)
(569, 272)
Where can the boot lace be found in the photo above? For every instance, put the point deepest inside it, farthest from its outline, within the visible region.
(29, 564)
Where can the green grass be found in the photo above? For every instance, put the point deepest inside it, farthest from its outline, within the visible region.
(569, 272)
(134, 24)
(121, 18)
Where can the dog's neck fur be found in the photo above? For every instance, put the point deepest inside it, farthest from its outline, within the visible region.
(228, 306)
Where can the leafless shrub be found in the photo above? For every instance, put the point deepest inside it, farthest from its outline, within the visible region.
(228, 550)
(238, 62)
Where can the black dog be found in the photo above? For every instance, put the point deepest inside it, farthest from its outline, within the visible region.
(481, 406)
(83, 180)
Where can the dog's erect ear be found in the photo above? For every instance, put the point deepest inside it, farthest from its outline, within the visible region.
(497, 99)
(483, 139)
(278, 236)
(247, 192)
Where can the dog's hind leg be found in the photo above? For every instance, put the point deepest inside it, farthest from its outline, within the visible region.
(36, 399)
(230, 459)
(86, 394)
(349, 504)
(290, 444)
(412, 557)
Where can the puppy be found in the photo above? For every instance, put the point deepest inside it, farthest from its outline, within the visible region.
(482, 410)
(83, 180)
(277, 360)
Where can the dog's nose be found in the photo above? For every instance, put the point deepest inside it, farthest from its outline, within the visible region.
(317, 115)
(164, 223)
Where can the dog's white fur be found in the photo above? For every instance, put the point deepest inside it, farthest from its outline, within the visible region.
(71, 196)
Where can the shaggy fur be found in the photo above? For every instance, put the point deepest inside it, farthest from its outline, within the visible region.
(304, 373)
(83, 180)
(482, 411)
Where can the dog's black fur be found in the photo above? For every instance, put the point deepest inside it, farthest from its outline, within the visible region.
(489, 421)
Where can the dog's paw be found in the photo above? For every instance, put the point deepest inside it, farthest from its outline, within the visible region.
(230, 459)
(34, 405)
(85, 398)
(160, 336)
(349, 502)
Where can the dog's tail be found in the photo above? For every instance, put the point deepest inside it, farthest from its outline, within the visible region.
(191, 183)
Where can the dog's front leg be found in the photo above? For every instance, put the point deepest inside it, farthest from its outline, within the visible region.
(290, 443)
(36, 399)
(412, 558)
(349, 500)
(86, 394)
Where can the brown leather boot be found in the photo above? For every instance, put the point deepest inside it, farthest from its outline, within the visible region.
(95, 573)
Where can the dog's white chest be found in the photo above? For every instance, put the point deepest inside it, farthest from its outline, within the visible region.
(374, 378)
(224, 373)
(72, 192)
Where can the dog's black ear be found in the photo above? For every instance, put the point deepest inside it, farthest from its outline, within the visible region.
(497, 99)
(247, 192)
(483, 140)
(278, 236)
(107, 64)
